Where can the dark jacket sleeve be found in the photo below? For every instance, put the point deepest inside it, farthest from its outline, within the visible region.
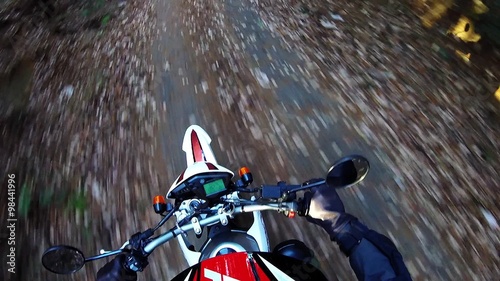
(370, 264)
(377, 258)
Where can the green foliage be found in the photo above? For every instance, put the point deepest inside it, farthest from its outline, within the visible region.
(105, 20)
(77, 201)
(24, 200)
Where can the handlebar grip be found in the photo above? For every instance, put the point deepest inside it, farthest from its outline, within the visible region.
(116, 270)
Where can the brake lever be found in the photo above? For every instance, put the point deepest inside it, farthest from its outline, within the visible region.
(303, 187)
(282, 191)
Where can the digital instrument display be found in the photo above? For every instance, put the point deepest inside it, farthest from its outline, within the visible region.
(214, 187)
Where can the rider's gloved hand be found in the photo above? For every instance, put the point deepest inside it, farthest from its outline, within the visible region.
(115, 270)
(324, 207)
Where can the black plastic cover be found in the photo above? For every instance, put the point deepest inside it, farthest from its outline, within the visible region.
(271, 192)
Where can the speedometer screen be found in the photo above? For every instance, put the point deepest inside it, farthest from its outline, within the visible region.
(214, 187)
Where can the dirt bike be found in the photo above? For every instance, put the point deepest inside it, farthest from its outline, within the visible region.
(207, 203)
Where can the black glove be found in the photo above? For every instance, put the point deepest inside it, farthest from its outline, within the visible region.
(116, 271)
(325, 208)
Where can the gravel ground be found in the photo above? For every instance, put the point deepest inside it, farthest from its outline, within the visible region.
(273, 86)
(71, 150)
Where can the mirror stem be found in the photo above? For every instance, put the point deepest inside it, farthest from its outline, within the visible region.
(164, 219)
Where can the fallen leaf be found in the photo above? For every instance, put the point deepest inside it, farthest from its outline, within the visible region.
(463, 56)
(464, 29)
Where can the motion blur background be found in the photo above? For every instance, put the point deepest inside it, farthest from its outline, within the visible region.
(95, 97)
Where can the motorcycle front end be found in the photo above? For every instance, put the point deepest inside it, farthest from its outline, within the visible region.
(206, 203)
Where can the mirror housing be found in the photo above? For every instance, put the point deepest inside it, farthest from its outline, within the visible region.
(348, 171)
(63, 259)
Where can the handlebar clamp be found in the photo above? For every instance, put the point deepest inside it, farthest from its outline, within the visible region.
(223, 216)
(196, 225)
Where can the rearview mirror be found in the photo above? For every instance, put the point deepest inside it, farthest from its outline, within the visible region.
(63, 259)
(348, 171)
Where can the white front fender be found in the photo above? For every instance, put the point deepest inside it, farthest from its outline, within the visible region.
(195, 134)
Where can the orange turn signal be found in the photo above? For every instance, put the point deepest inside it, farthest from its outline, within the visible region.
(159, 200)
(244, 170)
(159, 204)
(291, 214)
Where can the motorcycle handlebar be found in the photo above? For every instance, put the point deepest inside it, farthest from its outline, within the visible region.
(174, 232)
(220, 216)
(137, 255)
